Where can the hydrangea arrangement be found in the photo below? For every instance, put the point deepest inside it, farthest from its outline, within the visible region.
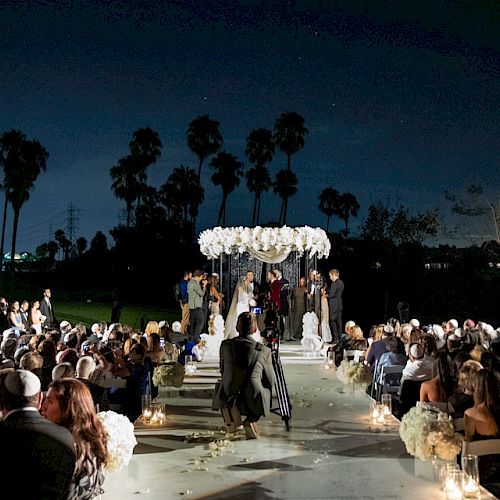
(169, 375)
(352, 372)
(121, 439)
(427, 432)
(228, 240)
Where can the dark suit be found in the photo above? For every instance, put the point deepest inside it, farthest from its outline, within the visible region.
(253, 399)
(25, 320)
(48, 312)
(38, 456)
(335, 308)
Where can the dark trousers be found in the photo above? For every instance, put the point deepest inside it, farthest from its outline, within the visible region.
(196, 322)
(336, 324)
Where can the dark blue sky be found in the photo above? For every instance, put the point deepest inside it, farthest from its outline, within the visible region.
(401, 99)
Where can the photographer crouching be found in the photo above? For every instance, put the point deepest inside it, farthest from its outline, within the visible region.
(247, 378)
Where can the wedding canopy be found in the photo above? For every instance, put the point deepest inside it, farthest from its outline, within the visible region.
(267, 244)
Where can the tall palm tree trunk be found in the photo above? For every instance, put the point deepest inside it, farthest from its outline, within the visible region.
(129, 212)
(2, 243)
(289, 161)
(327, 223)
(346, 220)
(281, 211)
(257, 218)
(222, 211)
(255, 203)
(14, 239)
(285, 210)
(199, 168)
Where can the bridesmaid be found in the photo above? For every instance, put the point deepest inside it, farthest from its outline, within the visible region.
(298, 308)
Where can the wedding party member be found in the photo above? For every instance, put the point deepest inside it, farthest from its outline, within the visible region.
(298, 308)
(70, 405)
(284, 303)
(215, 297)
(275, 290)
(15, 320)
(25, 315)
(47, 310)
(247, 374)
(335, 304)
(36, 317)
(38, 456)
(314, 286)
(243, 299)
(184, 299)
(195, 301)
(326, 332)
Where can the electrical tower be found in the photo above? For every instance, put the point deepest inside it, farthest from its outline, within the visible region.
(72, 220)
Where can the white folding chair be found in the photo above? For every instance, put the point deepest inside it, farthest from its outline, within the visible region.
(482, 447)
(383, 387)
(354, 354)
(442, 406)
(374, 380)
(458, 423)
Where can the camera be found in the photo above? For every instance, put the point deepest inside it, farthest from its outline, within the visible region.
(256, 310)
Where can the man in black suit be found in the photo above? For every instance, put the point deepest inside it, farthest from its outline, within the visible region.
(335, 304)
(24, 311)
(38, 456)
(47, 310)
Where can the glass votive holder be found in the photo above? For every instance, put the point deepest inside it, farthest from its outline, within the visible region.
(190, 365)
(470, 469)
(447, 467)
(146, 407)
(377, 413)
(386, 401)
(453, 487)
(157, 413)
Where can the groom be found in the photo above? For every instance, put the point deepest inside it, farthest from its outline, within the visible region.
(335, 304)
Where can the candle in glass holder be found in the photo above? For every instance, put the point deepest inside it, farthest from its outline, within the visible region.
(454, 485)
(470, 468)
(146, 415)
(470, 487)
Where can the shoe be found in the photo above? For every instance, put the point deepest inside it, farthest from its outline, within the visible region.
(251, 430)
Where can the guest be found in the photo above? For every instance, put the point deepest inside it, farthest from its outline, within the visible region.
(335, 304)
(152, 327)
(69, 404)
(418, 367)
(298, 308)
(463, 398)
(47, 310)
(395, 356)
(439, 388)
(195, 301)
(8, 348)
(379, 346)
(155, 351)
(348, 326)
(374, 335)
(353, 341)
(247, 374)
(184, 300)
(36, 317)
(4, 313)
(63, 370)
(38, 456)
(84, 368)
(429, 344)
(14, 317)
(32, 362)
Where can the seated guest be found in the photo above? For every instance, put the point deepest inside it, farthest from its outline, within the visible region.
(47, 350)
(483, 418)
(33, 362)
(374, 335)
(38, 456)
(378, 347)
(69, 404)
(463, 398)
(84, 368)
(394, 356)
(63, 370)
(429, 344)
(247, 374)
(155, 351)
(439, 388)
(8, 348)
(418, 366)
(352, 341)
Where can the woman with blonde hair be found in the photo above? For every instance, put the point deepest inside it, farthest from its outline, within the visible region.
(352, 342)
(152, 327)
(69, 403)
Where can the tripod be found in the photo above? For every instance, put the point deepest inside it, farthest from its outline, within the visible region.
(284, 409)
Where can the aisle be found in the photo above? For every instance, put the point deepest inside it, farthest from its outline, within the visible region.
(332, 450)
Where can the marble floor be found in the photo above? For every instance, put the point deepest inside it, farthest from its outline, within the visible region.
(331, 451)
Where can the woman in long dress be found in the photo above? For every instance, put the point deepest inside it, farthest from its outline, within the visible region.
(326, 333)
(242, 300)
(298, 308)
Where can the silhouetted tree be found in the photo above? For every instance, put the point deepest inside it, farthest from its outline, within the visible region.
(204, 138)
(63, 242)
(328, 204)
(99, 243)
(259, 150)
(228, 170)
(285, 186)
(81, 245)
(347, 205)
(289, 133)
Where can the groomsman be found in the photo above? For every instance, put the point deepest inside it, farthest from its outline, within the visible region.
(335, 304)
(24, 311)
(46, 308)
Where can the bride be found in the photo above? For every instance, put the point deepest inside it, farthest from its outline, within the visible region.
(243, 299)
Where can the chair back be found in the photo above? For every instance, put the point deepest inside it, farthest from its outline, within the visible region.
(390, 379)
(459, 425)
(409, 394)
(481, 447)
(354, 354)
(442, 406)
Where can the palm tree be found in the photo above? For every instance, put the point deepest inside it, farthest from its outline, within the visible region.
(183, 190)
(259, 150)
(20, 180)
(347, 205)
(285, 186)
(329, 204)
(228, 170)
(204, 138)
(11, 146)
(130, 174)
(289, 132)
(64, 243)
(81, 245)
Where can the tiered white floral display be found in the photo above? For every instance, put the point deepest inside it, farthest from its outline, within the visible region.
(215, 336)
(427, 433)
(311, 341)
(269, 244)
(121, 439)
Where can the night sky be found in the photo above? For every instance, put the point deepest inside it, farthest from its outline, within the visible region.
(401, 99)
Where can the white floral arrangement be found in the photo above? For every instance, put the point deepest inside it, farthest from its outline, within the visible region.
(169, 374)
(228, 240)
(311, 341)
(121, 439)
(427, 432)
(352, 372)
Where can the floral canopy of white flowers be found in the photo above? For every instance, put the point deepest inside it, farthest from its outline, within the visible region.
(268, 244)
